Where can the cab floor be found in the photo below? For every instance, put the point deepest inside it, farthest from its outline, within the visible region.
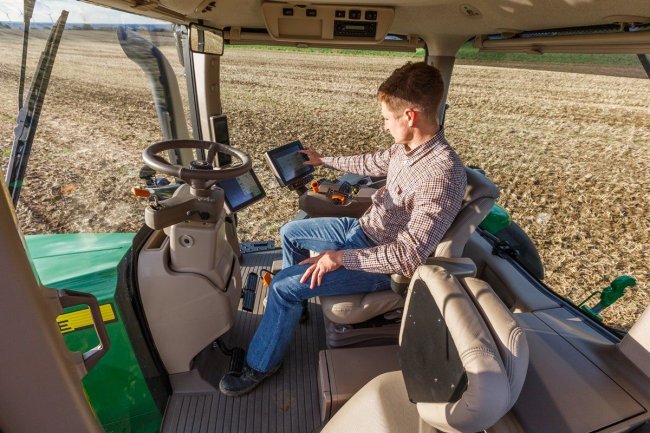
(286, 402)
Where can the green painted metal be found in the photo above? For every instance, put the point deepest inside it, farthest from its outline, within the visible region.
(84, 262)
(116, 387)
(608, 296)
(497, 220)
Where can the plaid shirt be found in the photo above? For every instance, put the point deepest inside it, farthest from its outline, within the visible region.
(410, 215)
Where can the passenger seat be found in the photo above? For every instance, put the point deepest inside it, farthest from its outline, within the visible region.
(464, 361)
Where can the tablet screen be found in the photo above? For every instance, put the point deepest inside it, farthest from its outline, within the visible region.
(287, 164)
(242, 191)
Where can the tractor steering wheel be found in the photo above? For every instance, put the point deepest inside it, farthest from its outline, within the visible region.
(201, 175)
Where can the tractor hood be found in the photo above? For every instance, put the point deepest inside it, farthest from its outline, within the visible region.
(86, 262)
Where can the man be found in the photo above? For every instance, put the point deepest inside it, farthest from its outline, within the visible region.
(424, 189)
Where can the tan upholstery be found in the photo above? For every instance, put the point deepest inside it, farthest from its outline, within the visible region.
(479, 199)
(480, 196)
(489, 394)
(382, 405)
(492, 349)
(351, 309)
(508, 335)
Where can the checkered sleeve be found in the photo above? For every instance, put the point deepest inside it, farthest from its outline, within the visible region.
(436, 203)
(369, 164)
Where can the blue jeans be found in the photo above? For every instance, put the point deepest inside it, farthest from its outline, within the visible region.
(286, 293)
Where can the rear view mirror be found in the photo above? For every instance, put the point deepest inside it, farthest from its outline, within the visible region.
(206, 40)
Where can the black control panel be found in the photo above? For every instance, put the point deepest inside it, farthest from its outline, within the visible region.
(355, 14)
(358, 29)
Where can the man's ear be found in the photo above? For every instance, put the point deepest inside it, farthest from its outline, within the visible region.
(411, 115)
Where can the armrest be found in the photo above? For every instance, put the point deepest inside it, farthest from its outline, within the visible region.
(459, 267)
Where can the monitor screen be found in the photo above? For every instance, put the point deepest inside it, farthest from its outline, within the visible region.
(219, 125)
(242, 191)
(287, 164)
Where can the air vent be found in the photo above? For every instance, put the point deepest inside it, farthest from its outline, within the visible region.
(470, 11)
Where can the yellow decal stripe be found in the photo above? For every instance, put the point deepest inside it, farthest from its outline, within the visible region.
(69, 322)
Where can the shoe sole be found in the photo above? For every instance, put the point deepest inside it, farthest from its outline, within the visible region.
(244, 391)
(229, 393)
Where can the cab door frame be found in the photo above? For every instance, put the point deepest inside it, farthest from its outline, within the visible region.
(40, 383)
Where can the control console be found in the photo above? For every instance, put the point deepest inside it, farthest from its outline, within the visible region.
(349, 195)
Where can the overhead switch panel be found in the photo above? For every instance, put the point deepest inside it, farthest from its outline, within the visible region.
(327, 23)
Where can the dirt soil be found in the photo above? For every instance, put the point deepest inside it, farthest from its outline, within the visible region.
(568, 150)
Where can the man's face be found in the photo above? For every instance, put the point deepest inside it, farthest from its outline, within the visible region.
(396, 124)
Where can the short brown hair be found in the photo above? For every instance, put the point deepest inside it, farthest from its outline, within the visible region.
(416, 85)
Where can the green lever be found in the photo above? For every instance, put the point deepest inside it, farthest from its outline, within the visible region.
(608, 296)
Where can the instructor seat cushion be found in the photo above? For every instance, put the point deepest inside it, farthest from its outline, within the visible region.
(480, 196)
(381, 406)
(491, 346)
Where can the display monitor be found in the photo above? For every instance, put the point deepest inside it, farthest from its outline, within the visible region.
(242, 191)
(219, 127)
(287, 164)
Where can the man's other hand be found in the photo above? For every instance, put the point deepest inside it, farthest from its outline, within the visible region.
(314, 158)
(327, 261)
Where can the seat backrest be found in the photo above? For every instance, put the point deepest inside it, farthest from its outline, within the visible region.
(480, 333)
(480, 196)
(508, 335)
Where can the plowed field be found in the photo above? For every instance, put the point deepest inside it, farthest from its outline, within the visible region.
(568, 150)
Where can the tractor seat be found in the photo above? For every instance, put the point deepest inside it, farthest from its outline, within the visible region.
(464, 360)
(480, 196)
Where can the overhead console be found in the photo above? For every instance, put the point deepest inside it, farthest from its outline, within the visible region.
(327, 23)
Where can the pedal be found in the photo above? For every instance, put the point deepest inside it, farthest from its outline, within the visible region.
(237, 360)
(249, 301)
(249, 292)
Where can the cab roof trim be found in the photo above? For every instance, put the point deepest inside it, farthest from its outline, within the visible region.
(443, 24)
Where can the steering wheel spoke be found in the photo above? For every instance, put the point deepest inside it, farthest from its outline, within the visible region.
(212, 152)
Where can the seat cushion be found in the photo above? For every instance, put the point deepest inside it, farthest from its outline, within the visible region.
(381, 406)
(357, 308)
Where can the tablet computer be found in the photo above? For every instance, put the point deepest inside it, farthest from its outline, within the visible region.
(287, 164)
(242, 191)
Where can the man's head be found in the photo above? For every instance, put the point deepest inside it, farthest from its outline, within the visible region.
(410, 97)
